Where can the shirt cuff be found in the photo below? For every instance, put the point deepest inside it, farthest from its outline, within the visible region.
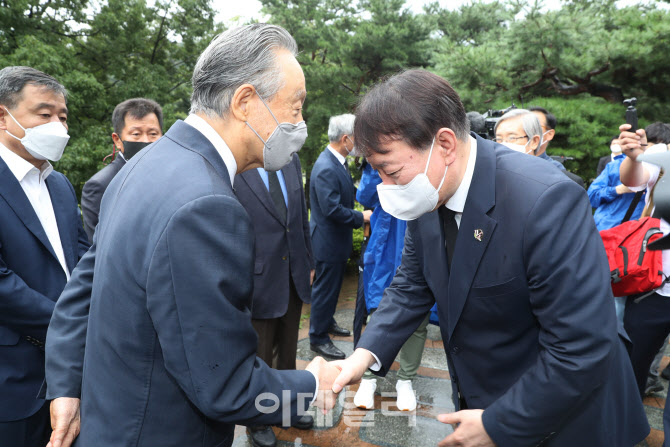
(316, 391)
(377, 365)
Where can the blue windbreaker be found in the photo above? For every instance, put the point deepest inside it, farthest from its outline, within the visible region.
(387, 237)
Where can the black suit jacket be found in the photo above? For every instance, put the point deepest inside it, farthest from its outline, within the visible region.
(602, 162)
(526, 312)
(282, 249)
(91, 194)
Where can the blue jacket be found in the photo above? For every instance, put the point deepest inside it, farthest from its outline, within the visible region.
(545, 360)
(384, 250)
(31, 280)
(169, 356)
(610, 206)
(332, 218)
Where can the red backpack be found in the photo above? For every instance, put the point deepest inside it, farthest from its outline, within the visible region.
(633, 267)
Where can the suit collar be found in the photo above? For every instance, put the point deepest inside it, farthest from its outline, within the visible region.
(457, 201)
(20, 167)
(192, 139)
(217, 141)
(11, 191)
(253, 179)
(59, 193)
(474, 233)
(339, 157)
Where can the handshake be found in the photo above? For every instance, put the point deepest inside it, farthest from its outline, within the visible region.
(334, 376)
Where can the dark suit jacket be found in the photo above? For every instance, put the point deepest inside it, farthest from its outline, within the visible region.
(282, 249)
(331, 195)
(527, 314)
(170, 354)
(31, 279)
(91, 194)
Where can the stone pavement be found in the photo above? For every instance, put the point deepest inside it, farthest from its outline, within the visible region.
(385, 426)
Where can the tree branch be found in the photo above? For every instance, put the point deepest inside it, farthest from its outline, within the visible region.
(160, 32)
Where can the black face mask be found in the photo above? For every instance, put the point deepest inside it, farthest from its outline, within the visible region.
(130, 148)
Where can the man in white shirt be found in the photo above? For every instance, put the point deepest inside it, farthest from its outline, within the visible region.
(41, 240)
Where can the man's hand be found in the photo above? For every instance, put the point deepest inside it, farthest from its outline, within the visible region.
(632, 144)
(366, 215)
(65, 421)
(327, 373)
(468, 430)
(352, 368)
(311, 276)
(622, 189)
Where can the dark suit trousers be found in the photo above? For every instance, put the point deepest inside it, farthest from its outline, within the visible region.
(33, 431)
(278, 337)
(325, 291)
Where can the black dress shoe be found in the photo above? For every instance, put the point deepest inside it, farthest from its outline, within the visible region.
(335, 329)
(262, 436)
(327, 350)
(304, 423)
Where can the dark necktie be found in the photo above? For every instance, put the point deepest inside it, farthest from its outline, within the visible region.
(277, 195)
(450, 231)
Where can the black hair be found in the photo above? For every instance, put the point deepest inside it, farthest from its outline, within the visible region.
(137, 108)
(551, 119)
(658, 133)
(410, 106)
(14, 79)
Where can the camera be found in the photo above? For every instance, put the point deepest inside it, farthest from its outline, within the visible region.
(631, 113)
(484, 125)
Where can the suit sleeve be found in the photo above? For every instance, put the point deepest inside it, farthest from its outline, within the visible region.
(66, 337)
(405, 304)
(198, 299)
(22, 309)
(570, 296)
(305, 219)
(600, 191)
(330, 200)
(91, 195)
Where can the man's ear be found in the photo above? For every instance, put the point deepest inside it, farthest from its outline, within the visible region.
(4, 116)
(240, 104)
(550, 135)
(534, 143)
(446, 142)
(117, 142)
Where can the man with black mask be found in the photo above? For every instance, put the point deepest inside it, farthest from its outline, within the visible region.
(137, 123)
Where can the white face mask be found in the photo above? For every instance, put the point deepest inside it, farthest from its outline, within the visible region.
(411, 201)
(44, 142)
(518, 147)
(354, 152)
(285, 140)
(615, 148)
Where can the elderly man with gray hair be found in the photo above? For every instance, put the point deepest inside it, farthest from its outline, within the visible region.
(521, 131)
(332, 220)
(154, 334)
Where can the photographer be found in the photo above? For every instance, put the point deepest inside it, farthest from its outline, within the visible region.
(647, 321)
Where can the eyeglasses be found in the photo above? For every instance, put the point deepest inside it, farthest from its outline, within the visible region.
(509, 139)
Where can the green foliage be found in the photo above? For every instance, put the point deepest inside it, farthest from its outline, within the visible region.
(105, 53)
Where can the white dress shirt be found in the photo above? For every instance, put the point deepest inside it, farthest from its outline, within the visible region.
(221, 147)
(456, 203)
(33, 183)
(337, 155)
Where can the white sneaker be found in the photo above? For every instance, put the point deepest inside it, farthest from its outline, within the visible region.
(406, 397)
(365, 396)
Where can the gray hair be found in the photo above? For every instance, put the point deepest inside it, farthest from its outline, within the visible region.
(13, 79)
(340, 125)
(529, 121)
(242, 55)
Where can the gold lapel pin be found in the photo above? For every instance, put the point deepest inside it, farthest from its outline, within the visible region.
(479, 234)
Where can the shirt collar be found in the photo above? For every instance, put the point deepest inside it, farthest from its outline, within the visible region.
(337, 155)
(221, 147)
(20, 167)
(457, 201)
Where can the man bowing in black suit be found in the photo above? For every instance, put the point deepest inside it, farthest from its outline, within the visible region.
(507, 247)
(137, 123)
(283, 269)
